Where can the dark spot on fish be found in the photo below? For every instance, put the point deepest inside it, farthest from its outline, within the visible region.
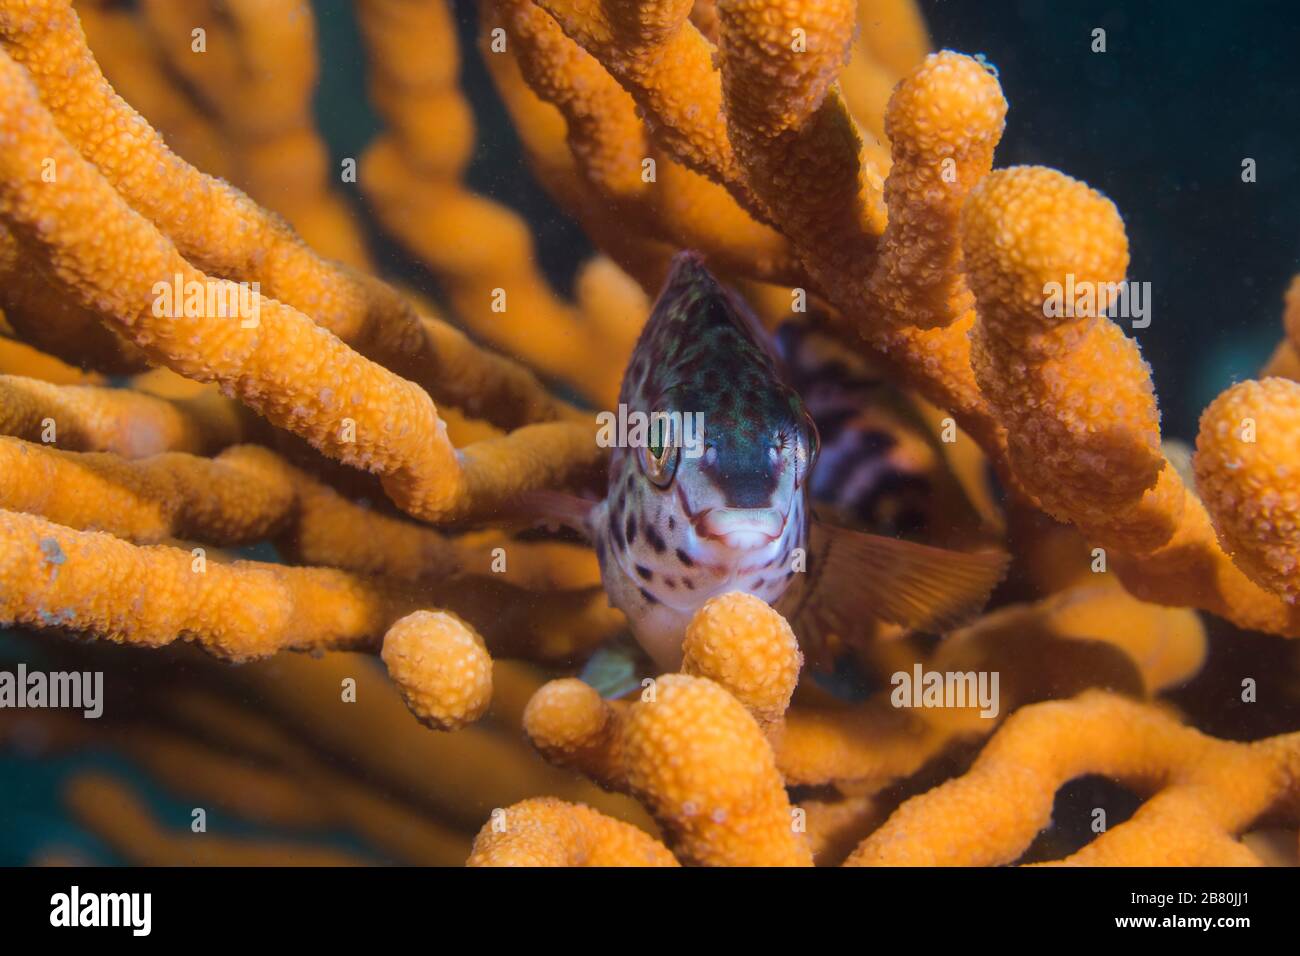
(650, 598)
(689, 585)
(615, 532)
(685, 558)
(670, 582)
(600, 550)
(789, 574)
(631, 529)
(646, 573)
(691, 367)
(672, 523)
(656, 540)
(756, 585)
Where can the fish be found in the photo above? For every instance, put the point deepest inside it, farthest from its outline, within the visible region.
(712, 493)
(890, 463)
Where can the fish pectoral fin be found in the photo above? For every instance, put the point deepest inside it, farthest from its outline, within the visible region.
(551, 508)
(853, 575)
(615, 669)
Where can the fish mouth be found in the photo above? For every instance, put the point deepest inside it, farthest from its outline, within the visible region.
(740, 528)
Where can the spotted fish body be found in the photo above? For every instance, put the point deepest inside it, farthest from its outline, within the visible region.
(682, 522)
(729, 519)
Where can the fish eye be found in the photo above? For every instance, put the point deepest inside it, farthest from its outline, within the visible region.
(814, 440)
(660, 454)
(806, 452)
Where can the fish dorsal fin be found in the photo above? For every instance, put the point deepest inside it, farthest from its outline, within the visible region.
(852, 575)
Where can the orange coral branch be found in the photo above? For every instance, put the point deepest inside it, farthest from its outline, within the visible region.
(135, 66)
(263, 52)
(127, 423)
(784, 118)
(893, 32)
(1285, 362)
(239, 498)
(571, 726)
(1090, 635)
(214, 225)
(295, 373)
(152, 596)
(248, 494)
(798, 144)
(739, 642)
(689, 749)
(1207, 791)
(115, 812)
(700, 763)
(1089, 459)
(21, 359)
(735, 640)
(1247, 456)
(45, 316)
(664, 61)
(610, 146)
(543, 131)
(481, 251)
(440, 667)
(548, 832)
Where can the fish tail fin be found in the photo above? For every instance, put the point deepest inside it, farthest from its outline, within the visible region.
(852, 575)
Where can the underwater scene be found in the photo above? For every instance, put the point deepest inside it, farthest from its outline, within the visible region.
(649, 433)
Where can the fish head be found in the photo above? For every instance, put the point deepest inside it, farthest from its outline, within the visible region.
(737, 484)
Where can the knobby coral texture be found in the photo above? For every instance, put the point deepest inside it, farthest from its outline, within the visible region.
(376, 446)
